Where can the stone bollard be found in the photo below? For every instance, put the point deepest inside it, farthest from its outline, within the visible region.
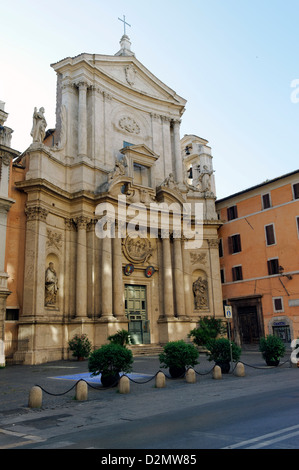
(190, 376)
(35, 397)
(81, 391)
(217, 374)
(160, 380)
(124, 385)
(240, 370)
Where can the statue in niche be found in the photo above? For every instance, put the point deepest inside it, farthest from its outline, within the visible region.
(51, 285)
(38, 131)
(200, 292)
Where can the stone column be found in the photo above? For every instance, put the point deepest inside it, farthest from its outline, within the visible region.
(106, 278)
(178, 277)
(81, 271)
(118, 291)
(35, 258)
(167, 276)
(189, 305)
(82, 119)
(178, 161)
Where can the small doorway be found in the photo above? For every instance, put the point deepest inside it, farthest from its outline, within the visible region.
(248, 325)
(136, 312)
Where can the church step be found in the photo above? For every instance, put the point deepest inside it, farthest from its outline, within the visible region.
(146, 349)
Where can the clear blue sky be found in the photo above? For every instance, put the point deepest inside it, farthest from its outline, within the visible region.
(233, 61)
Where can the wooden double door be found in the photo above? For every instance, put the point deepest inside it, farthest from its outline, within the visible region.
(136, 312)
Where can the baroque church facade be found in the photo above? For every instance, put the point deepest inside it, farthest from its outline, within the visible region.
(109, 194)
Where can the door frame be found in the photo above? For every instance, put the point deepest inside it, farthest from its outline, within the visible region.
(250, 301)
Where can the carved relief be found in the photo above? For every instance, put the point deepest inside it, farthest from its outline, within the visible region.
(137, 250)
(200, 292)
(54, 239)
(130, 72)
(198, 258)
(128, 124)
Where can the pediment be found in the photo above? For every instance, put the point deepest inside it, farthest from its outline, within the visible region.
(140, 153)
(122, 72)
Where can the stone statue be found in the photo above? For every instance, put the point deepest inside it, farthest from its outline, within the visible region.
(170, 182)
(206, 179)
(51, 285)
(200, 292)
(119, 170)
(38, 131)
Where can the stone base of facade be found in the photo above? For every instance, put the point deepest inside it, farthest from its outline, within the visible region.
(43, 342)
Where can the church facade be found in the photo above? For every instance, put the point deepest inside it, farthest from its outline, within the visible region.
(121, 226)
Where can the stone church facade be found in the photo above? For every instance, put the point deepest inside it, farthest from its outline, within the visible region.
(103, 251)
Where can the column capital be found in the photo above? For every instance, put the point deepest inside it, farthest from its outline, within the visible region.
(81, 222)
(36, 213)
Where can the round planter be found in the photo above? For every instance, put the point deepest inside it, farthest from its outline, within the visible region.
(224, 366)
(272, 363)
(177, 372)
(110, 380)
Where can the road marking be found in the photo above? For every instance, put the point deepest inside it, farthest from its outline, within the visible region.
(258, 444)
(29, 439)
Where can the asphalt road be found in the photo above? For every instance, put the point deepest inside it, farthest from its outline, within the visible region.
(258, 411)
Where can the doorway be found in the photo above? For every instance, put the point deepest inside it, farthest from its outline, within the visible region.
(248, 325)
(136, 312)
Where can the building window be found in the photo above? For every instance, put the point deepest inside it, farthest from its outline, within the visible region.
(222, 276)
(221, 248)
(277, 304)
(127, 144)
(266, 201)
(270, 234)
(234, 244)
(273, 266)
(141, 175)
(12, 314)
(296, 190)
(237, 273)
(232, 213)
(297, 221)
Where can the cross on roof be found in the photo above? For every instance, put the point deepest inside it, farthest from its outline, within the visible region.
(125, 23)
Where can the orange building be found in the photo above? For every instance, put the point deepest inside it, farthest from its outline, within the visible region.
(259, 259)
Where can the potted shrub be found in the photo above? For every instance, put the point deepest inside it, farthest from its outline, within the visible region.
(80, 346)
(221, 351)
(109, 360)
(272, 349)
(208, 328)
(122, 337)
(177, 356)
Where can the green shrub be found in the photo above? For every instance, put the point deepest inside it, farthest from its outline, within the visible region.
(208, 328)
(272, 348)
(80, 346)
(122, 337)
(110, 359)
(219, 350)
(179, 354)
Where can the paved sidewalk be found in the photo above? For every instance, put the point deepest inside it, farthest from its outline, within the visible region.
(57, 379)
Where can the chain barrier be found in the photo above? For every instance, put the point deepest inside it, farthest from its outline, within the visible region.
(102, 388)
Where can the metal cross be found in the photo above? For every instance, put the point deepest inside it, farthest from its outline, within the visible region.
(125, 23)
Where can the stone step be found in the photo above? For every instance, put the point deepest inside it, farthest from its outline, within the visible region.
(146, 349)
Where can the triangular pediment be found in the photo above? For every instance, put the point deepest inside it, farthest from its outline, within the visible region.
(142, 151)
(121, 71)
